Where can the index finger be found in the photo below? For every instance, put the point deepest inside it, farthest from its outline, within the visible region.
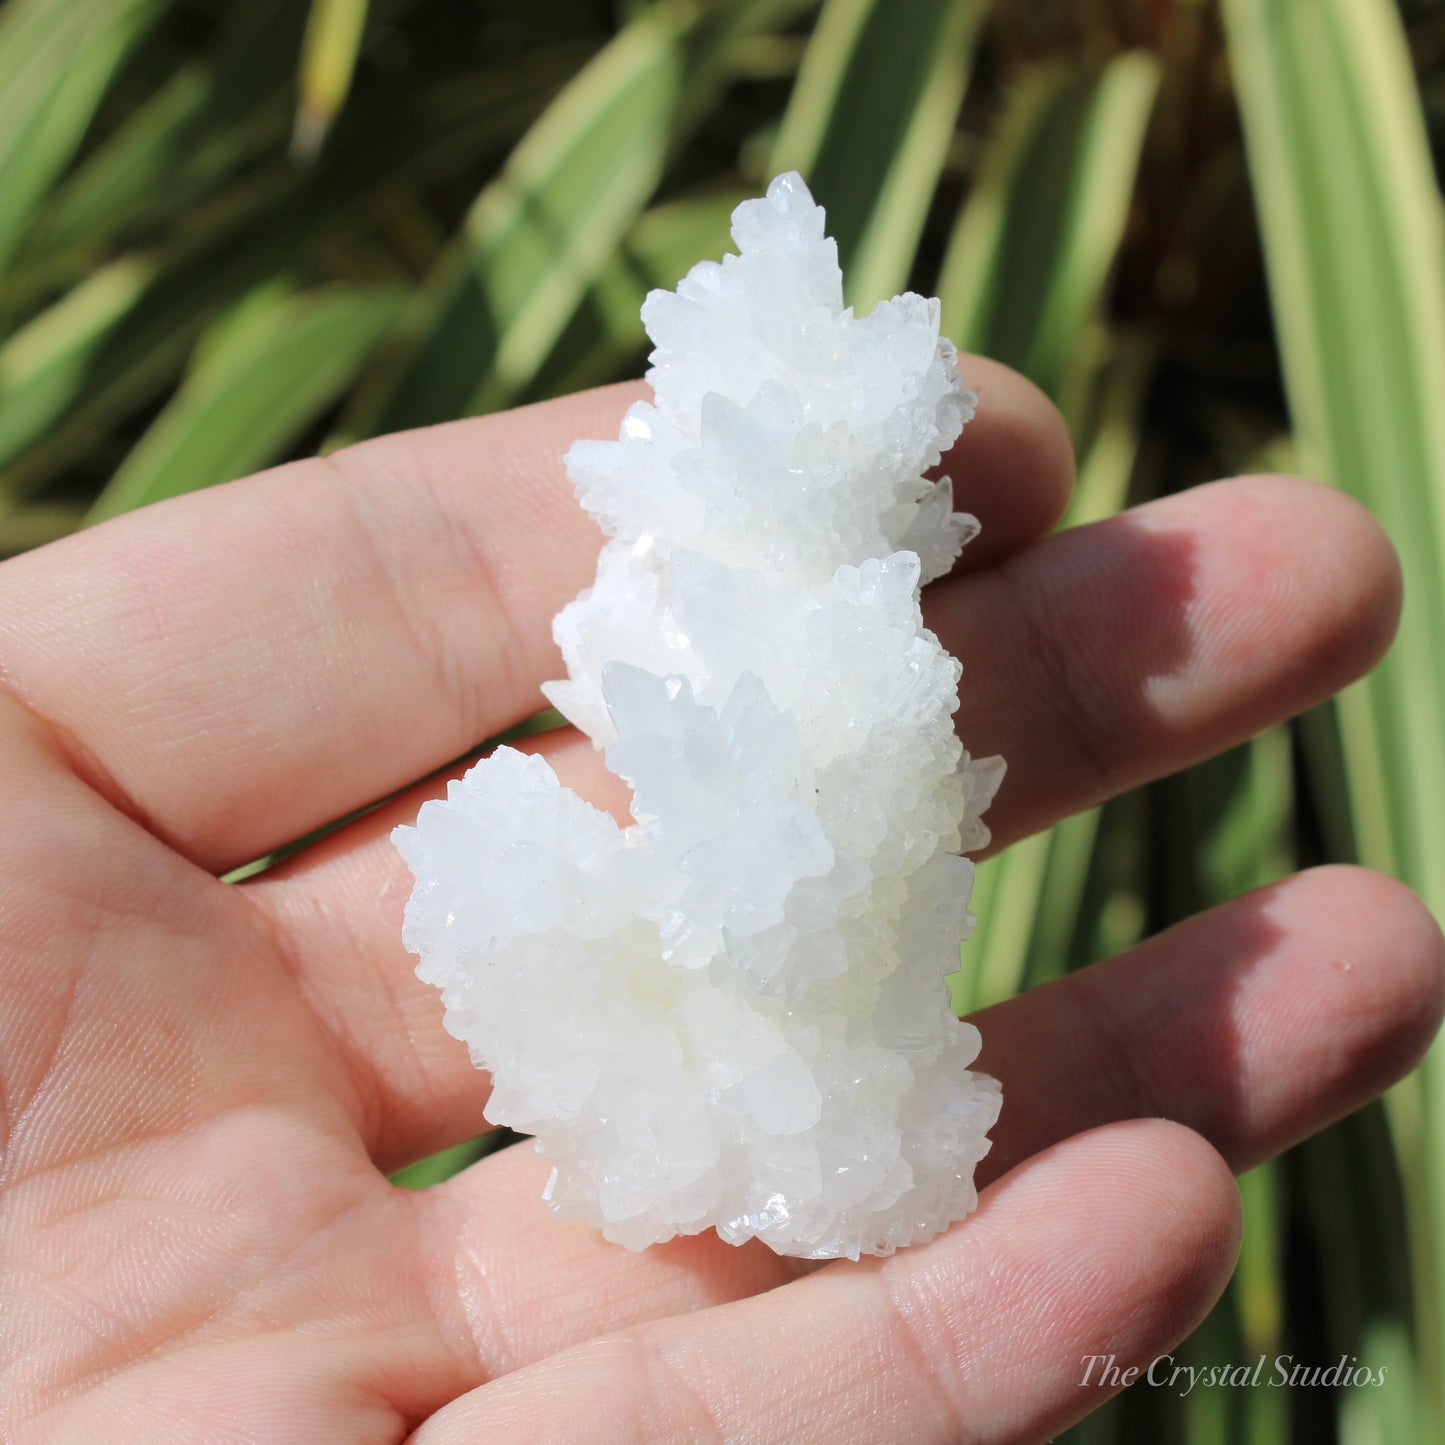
(238, 667)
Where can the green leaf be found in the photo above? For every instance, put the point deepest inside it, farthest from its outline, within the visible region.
(157, 168)
(328, 60)
(1058, 259)
(450, 1162)
(605, 339)
(1240, 809)
(1394, 1410)
(440, 1167)
(1258, 1280)
(538, 235)
(35, 526)
(127, 172)
(43, 367)
(57, 59)
(1031, 254)
(1350, 214)
(259, 377)
(1351, 223)
(1007, 891)
(869, 125)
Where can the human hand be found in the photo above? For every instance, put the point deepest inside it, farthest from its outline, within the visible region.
(203, 1083)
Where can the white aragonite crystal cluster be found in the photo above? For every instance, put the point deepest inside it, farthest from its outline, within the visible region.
(732, 1014)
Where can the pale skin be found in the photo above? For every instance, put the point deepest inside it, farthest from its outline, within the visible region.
(204, 1084)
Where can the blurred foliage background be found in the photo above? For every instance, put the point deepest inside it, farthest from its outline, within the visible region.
(231, 234)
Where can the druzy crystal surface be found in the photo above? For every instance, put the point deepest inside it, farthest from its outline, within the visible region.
(731, 1014)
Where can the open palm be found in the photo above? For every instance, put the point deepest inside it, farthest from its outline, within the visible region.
(203, 1084)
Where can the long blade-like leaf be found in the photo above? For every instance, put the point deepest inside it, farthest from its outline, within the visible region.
(1351, 221)
(537, 237)
(57, 58)
(328, 59)
(1036, 240)
(869, 124)
(1049, 209)
(44, 365)
(259, 378)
